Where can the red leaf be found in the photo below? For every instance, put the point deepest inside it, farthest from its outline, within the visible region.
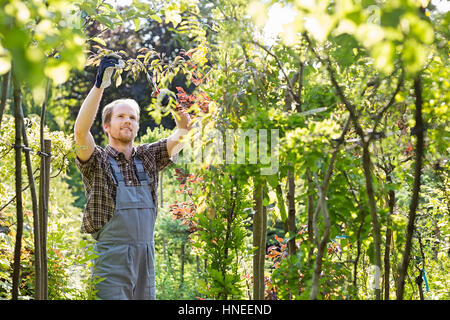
(279, 239)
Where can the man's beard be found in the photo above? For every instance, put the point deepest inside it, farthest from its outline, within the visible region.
(123, 138)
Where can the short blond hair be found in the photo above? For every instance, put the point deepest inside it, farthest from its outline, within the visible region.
(109, 108)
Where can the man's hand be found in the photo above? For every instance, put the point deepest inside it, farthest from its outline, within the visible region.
(183, 121)
(108, 66)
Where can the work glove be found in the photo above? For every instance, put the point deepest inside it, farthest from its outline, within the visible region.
(163, 97)
(108, 66)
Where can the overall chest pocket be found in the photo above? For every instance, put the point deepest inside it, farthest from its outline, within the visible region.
(134, 197)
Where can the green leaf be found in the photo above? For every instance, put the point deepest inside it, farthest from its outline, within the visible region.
(156, 18)
(272, 180)
(391, 18)
(319, 25)
(370, 253)
(89, 8)
(99, 40)
(137, 23)
(281, 205)
(413, 55)
(105, 21)
(174, 17)
(147, 56)
(59, 73)
(423, 31)
(288, 236)
(383, 53)
(118, 81)
(107, 7)
(5, 64)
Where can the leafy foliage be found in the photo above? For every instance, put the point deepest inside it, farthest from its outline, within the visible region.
(339, 83)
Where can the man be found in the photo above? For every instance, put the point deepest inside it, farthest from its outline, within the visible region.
(120, 184)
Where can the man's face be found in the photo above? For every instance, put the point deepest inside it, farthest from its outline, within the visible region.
(124, 124)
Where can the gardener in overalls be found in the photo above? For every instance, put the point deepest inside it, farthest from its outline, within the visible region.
(121, 183)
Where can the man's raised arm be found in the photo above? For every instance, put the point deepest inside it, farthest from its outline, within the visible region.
(83, 124)
(89, 108)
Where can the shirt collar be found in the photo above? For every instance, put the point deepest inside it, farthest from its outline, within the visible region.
(116, 154)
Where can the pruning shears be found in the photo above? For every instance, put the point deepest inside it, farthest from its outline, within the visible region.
(156, 91)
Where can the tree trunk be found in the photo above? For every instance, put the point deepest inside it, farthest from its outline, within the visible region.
(387, 264)
(163, 241)
(419, 131)
(419, 281)
(161, 200)
(310, 212)
(376, 229)
(5, 86)
(387, 248)
(183, 259)
(43, 216)
(258, 242)
(262, 256)
(169, 263)
(290, 222)
(41, 290)
(18, 172)
(300, 86)
(362, 216)
(34, 204)
(322, 206)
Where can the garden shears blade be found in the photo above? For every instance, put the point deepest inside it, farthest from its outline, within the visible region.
(156, 91)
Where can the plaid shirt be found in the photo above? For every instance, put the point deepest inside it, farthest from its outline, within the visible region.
(99, 185)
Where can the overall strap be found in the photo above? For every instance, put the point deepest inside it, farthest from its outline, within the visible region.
(142, 175)
(117, 175)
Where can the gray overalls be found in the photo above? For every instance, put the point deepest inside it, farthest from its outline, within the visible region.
(125, 244)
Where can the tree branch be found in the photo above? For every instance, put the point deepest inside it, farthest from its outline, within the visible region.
(389, 103)
(321, 205)
(291, 89)
(366, 164)
(323, 242)
(348, 105)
